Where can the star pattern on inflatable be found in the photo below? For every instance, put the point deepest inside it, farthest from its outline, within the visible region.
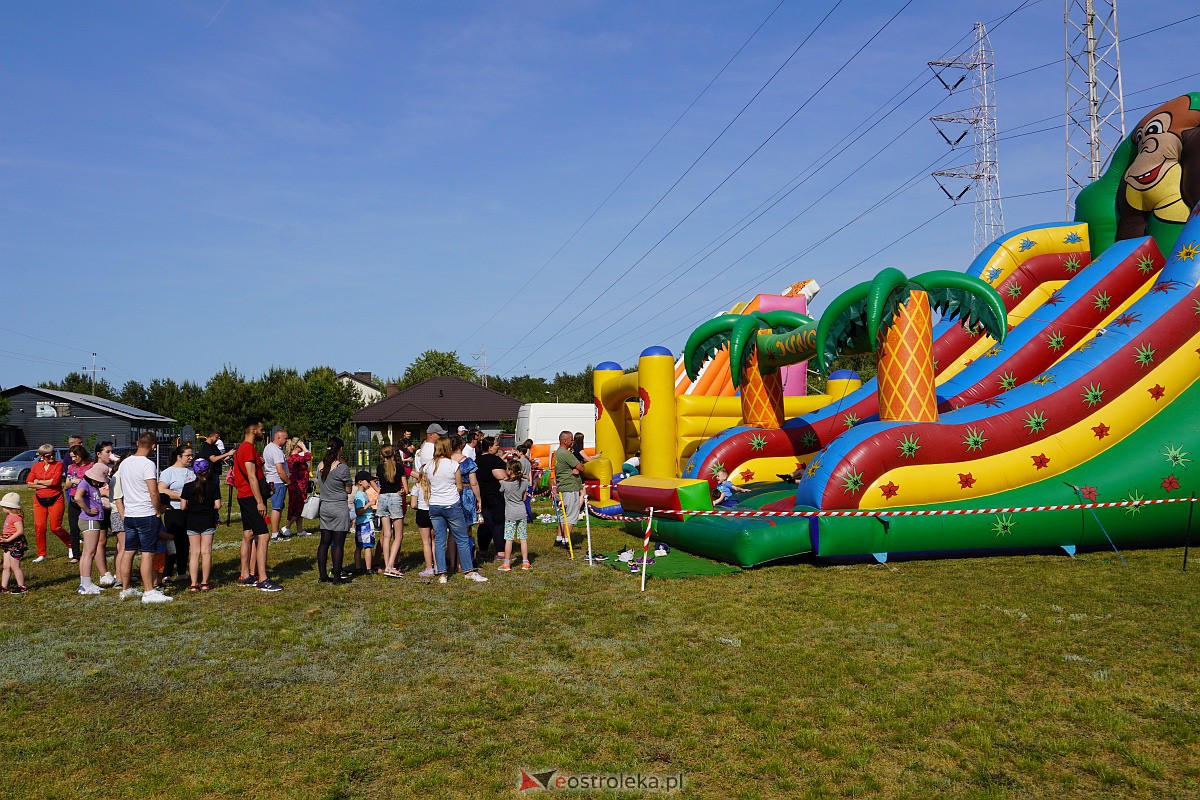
(758, 441)
(809, 440)
(1003, 525)
(1027, 244)
(1035, 421)
(1134, 496)
(1196, 307)
(850, 420)
(1056, 341)
(1073, 238)
(746, 475)
(853, 482)
(1127, 319)
(1144, 354)
(908, 446)
(1101, 301)
(1176, 456)
(715, 467)
(1166, 286)
(1014, 291)
(1072, 264)
(1055, 299)
(1170, 483)
(1157, 391)
(1008, 381)
(1040, 461)
(966, 480)
(994, 273)
(813, 467)
(1042, 380)
(1088, 493)
(1145, 265)
(1093, 395)
(994, 402)
(889, 490)
(1101, 430)
(974, 440)
(1188, 252)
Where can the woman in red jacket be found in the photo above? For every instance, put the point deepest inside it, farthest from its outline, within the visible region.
(46, 476)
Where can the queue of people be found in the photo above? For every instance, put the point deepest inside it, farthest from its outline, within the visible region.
(169, 518)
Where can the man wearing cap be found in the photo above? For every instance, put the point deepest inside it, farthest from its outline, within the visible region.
(425, 454)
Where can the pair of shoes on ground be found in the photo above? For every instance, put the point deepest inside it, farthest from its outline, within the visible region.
(471, 576)
(93, 589)
(507, 567)
(14, 590)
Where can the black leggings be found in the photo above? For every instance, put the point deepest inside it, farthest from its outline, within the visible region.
(73, 512)
(492, 530)
(176, 522)
(333, 544)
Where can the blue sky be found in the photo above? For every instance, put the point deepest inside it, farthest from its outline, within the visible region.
(190, 183)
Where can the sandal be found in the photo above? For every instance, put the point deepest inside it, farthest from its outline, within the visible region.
(204, 587)
(195, 587)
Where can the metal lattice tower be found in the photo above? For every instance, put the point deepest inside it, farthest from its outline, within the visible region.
(1095, 104)
(983, 174)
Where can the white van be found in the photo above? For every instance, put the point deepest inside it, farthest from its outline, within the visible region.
(543, 422)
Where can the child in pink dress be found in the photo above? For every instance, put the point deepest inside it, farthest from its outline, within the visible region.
(12, 542)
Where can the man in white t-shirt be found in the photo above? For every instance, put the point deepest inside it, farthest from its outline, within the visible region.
(139, 494)
(275, 468)
(425, 454)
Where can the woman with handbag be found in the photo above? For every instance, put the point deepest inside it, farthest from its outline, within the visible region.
(336, 486)
(298, 461)
(46, 477)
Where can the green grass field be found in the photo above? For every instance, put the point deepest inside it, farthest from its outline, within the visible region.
(1004, 677)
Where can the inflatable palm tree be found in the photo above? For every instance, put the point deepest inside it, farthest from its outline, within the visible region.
(892, 315)
(759, 344)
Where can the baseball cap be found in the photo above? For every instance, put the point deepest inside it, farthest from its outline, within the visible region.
(435, 428)
(462, 428)
(363, 475)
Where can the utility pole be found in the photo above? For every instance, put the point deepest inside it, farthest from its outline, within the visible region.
(481, 357)
(983, 174)
(1095, 101)
(93, 370)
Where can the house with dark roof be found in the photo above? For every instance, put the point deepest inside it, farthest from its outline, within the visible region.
(445, 400)
(38, 416)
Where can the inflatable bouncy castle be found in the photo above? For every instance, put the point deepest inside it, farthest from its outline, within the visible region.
(1053, 407)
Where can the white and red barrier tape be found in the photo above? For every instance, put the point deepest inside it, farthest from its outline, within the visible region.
(934, 512)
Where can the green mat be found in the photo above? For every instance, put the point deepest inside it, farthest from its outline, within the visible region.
(675, 564)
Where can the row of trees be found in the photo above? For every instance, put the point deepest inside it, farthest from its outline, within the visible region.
(314, 403)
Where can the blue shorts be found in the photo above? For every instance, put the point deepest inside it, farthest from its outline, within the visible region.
(278, 495)
(141, 533)
(391, 505)
(364, 535)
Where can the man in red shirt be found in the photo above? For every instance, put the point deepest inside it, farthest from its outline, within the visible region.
(248, 480)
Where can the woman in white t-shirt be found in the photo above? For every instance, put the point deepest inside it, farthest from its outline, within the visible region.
(445, 510)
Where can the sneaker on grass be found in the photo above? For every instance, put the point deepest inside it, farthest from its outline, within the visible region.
(268, 586)
(93, 589)
(130, 593)
(247, 581)
(475, 576)
(155, 596)
(107, 580)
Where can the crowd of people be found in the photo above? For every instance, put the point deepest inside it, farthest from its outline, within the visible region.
(468, 498)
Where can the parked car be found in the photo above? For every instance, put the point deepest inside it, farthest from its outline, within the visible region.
(16, 469)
